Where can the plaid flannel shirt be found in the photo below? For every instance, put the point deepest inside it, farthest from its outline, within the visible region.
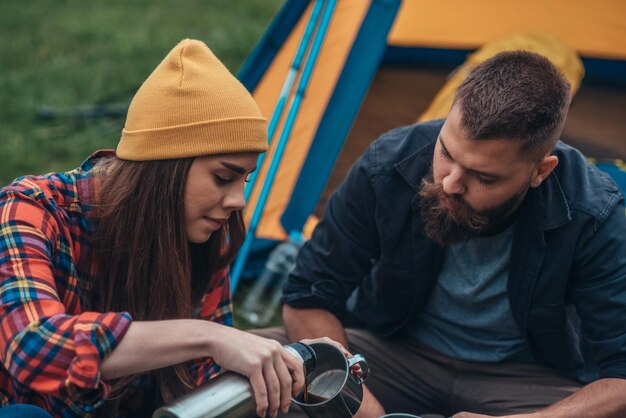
(51, 348)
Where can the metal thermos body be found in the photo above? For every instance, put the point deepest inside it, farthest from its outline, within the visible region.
(228, 395)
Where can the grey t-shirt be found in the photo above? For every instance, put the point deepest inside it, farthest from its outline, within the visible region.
(468, 315)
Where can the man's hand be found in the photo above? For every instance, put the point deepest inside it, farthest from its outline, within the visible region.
(370, 408)
(307, 323)
(472, 415)
(603, 398)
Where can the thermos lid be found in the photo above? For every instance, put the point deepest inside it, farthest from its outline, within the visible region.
(307, 354)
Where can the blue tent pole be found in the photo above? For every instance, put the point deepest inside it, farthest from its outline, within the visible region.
(284, 93)
(282, 143)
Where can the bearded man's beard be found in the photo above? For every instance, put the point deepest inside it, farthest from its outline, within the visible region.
(459, 222)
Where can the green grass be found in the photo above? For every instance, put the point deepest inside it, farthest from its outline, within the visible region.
(66, 54)
(69, 54)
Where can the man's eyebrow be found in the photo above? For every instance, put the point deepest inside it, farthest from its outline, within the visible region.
(443, 145)
(235, 167)
(482, 173)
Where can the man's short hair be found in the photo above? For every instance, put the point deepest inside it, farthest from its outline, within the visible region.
(517, 95)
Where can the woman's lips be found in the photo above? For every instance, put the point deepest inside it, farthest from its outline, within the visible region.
(215, 223)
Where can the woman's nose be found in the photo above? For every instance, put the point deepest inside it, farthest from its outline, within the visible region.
(235, 200)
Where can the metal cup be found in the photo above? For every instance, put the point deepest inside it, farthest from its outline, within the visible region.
(398, 415)
(332, 389)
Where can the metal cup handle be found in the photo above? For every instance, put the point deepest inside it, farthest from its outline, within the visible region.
(365, 367)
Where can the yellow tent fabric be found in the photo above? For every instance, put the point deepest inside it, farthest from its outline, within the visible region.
(564, 57)
(593, 28)
(343, 28)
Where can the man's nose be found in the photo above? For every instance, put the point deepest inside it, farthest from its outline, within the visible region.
(453, 183)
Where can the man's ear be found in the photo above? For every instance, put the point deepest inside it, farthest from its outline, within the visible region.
(543, 170)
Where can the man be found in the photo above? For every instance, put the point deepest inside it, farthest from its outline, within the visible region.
(477, 262)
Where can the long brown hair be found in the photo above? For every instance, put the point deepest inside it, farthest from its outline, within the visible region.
(146, 265)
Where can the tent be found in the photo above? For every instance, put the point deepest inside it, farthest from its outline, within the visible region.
(382, 62)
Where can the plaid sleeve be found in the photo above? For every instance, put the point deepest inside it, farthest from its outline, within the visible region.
(42, 346)
(217, 307)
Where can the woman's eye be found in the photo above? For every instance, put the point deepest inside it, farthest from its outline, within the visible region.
(222, 180)
(444, 153)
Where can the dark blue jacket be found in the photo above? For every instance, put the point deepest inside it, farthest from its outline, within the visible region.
(369, 261)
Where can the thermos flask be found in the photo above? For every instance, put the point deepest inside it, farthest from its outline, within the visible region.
(228, 395)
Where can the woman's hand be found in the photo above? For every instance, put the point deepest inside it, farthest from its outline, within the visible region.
(273, 372)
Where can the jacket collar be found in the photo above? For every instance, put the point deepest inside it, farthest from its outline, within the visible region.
(549, 205)
(414, 167)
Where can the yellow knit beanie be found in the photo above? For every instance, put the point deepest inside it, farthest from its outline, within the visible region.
(190, 106)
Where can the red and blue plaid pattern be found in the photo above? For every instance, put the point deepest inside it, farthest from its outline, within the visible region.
(50, 348)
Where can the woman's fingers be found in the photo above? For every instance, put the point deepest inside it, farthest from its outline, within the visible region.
(274, 373)
(296, 371)
(273, 387)
(285, 378)
(259, 388)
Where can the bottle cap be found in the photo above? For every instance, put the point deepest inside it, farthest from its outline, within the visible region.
(296, 237)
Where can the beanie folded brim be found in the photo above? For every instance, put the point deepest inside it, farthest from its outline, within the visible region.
(191, 106)
(233, 135)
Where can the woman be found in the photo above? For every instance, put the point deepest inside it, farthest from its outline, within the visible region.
(113, 276)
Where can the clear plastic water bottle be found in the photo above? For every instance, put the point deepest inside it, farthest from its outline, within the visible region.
(264, 296)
